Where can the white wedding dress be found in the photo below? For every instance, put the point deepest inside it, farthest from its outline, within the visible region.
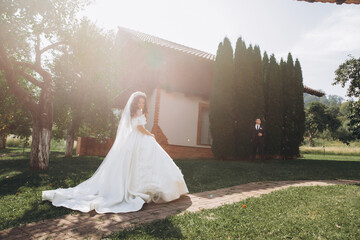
(136, 170)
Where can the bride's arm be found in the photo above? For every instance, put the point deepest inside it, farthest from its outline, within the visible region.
(144, 131)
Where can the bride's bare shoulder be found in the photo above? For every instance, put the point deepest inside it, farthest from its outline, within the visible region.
(138, 114)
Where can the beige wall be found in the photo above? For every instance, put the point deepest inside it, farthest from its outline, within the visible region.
(151, 108)
(178, 118)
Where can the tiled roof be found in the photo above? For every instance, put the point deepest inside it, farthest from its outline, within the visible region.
(334, 1)
(143, 37)
(165, 43)
(313, 92)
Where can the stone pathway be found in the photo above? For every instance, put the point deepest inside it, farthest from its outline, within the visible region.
(93, 226)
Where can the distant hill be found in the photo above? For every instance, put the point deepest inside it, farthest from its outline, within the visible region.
(328, 100)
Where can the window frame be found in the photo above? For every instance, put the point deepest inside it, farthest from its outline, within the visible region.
(201, 107)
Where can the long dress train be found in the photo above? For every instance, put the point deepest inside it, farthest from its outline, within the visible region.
(139, 171)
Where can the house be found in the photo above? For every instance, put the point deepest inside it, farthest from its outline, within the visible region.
(177, 80)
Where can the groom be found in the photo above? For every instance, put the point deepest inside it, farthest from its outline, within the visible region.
(257, 139)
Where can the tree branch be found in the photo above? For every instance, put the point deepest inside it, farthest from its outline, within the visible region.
(30, 78)
(37, 50)
(25, 97)
(4, 60)
(2, 65)
(51, 46)
(36, 67)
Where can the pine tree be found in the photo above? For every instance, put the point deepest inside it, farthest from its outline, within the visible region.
(274, 114)
(221, 102)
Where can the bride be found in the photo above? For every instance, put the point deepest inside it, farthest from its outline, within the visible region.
(135, 171)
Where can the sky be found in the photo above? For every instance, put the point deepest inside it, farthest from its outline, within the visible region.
(320, 35)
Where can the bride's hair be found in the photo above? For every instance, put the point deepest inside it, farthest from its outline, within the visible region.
(134, 105)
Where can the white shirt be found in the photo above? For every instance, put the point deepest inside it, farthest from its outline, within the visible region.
(257, 126)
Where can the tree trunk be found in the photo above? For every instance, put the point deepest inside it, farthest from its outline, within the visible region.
(3, 141)
(70, 140)
(41, 134)
(40, 147)
(42, 109)
(72, 128)
(311, 140)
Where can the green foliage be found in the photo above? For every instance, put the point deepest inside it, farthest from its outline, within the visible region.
(328, 100)
(85, 84)
(266, 76)
(290, 139)
(319, 117)
(274, 116)
(14, 117)
(248, 95)
(345, 108)
(293, 114)
(22, 21)
(298, 108)
(333, 122)
(221, 105)
(263, 89)
(258, 103)
(349, 72)
(243, 105)
(341, 111)
(31, 32)
(354, 117)
(316, 118)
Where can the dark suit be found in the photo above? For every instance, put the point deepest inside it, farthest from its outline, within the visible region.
(257, 141)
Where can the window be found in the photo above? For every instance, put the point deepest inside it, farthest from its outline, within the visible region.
(204, 137)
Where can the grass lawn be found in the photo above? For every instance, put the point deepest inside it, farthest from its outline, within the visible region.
(20, 188)
(330, 212)
(331, 147)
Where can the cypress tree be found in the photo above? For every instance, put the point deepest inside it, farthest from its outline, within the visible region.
(290, 138)
(293, 134)
(274, 101)
(257, 84)
(251, 83)
(249, 99)
(242, 100)
(265, 70)
(221, 102)
(246, 87)
(299, 107)
(285, 109)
